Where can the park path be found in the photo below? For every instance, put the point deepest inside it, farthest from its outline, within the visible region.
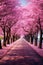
(21, 54)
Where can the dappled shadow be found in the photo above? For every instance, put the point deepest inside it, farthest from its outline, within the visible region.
(20, 60)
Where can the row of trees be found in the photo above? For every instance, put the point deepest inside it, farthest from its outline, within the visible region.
(18, 21)
(30, 22)
(8, 17)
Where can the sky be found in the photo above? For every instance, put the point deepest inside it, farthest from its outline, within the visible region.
(23, 2)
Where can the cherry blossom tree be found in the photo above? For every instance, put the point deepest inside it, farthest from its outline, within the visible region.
(39, 22)
(7, 8)
(40, 19)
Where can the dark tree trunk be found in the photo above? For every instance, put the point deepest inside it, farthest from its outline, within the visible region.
(31, 39)
(40, 43)
(27, 37)
(13, 38)
(8, 37)
(36, 39)
(0, 44)
(4, 43)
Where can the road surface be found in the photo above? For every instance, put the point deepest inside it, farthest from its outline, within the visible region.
(21, 54)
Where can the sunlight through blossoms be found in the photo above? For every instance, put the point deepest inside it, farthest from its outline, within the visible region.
(23, 2)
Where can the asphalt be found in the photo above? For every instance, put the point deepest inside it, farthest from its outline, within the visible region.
(21, 53)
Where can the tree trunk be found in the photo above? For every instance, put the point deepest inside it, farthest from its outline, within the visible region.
(40, 43)
(0, 44)
(13, 38)
(31, 39)
(36, 39)
(8, 37)
(4, 37)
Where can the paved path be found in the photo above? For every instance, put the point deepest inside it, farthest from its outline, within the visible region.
(21, 54)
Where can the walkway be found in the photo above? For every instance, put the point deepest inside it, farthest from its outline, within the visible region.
(21, 54)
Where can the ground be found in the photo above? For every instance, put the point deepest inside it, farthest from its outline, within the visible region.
(21, 54)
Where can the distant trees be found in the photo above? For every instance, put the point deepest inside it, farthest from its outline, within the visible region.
(41, 29)
(38, 20)
(30, 16)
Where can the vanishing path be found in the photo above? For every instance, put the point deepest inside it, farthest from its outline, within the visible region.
(21, 54)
